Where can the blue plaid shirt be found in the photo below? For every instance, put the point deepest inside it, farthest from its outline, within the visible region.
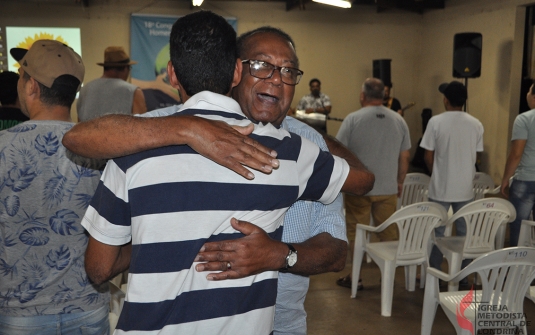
(303, 220)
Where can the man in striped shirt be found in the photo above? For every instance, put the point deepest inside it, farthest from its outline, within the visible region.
(171, 200)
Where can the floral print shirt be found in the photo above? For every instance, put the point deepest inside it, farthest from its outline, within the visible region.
(44, 192)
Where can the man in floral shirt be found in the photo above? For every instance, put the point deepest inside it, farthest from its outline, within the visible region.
(44, 192)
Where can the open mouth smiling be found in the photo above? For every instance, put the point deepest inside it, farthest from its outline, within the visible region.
(267, 98)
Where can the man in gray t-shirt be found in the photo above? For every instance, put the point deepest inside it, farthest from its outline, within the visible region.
(111, 93)
(380, 138)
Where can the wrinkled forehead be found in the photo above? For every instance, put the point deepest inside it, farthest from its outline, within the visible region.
(270, 46)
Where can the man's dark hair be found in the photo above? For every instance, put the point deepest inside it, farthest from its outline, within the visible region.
(62, 92)
(203, 52)
(373, 89)
(242, 40)
(457, 101)
(314, 80)
(533, 87)
(8, 88)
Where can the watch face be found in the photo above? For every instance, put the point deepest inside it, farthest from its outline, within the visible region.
(292, 259)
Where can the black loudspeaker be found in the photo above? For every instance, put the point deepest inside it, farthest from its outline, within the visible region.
(381, 70)
(467, 55)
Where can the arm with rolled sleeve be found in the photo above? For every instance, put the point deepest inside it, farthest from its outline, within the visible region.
(108, 222)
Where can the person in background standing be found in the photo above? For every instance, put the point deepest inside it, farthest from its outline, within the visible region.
(521, 164)
(316, 102)
(10, 113)
(45, 190)
(380, 139)
(390, 101)
(111, 93)
(452, 141)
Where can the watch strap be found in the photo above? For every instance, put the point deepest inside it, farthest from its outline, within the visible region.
(291, 250)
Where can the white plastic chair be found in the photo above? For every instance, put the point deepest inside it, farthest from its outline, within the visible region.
(483, 184)
(415, 224)
(498, 188)
(527, 239)
(414, 189)
(505, 274)
(527, 234)
(484, 218)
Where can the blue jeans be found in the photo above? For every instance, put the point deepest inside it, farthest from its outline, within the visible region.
(522, 196)
(86, 323)
(435, 260)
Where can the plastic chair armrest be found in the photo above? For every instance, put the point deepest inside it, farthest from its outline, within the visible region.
(437, 273)
(366, 227)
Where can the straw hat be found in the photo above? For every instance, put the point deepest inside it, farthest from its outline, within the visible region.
(116, 56)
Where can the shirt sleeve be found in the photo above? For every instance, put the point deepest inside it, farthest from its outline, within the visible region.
(479, 145)
(321, 172)
(302, 104)
(107, 218)
(428, 140)
(313, 216)
(330, 219)
(520, 129)
(326, 100)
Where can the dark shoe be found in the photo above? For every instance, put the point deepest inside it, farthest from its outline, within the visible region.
(346, 282)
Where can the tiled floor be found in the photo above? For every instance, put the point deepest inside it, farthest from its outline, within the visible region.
(331, 311)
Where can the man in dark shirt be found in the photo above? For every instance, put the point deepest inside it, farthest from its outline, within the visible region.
(390, 101)
(10, 113)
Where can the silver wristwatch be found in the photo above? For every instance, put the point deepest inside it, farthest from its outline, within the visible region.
(291, 258)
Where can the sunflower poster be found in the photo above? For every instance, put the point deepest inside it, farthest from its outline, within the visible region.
(24, 37)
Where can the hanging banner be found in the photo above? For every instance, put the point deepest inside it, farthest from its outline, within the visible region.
(149, 44)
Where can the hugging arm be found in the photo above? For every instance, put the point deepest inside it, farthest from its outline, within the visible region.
(119, 135)
(103, 261)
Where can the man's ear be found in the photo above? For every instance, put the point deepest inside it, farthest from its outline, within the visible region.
(362, 98)
(173, 80)
(237, 73)
(32, 88)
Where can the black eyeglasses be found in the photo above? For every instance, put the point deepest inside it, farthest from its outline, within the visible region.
(263, 70)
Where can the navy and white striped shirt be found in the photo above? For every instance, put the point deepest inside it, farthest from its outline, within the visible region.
(170, 201)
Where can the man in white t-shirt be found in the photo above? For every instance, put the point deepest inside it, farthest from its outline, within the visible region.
(451, 142)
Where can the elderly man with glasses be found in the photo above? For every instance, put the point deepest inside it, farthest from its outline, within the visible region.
(316, 232)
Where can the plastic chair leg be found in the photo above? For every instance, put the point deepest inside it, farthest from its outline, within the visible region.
(387, 288)
(499, 240)
(430, 305)
(423, 272)
(454, 267)
(410, 277)
(358, 254)
(372, 224)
